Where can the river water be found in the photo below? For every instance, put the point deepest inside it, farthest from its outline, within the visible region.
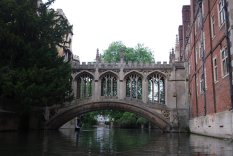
(103, 141)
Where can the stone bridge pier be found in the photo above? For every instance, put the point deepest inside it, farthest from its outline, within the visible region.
(155, 91)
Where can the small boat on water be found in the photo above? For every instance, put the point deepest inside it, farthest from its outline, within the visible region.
(78, 124)
(77, 128)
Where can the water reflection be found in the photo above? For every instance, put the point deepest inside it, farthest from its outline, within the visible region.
(104, 141)
(211, 146)
(108, 141)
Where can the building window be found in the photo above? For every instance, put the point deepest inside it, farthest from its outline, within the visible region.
(224, 57)
(109, 85)
(222, 16)
(212, 26)
(156, 88)
(203, 9)
(205, 79)
(200, 51)
(197, 82)
(196, 53)
(134, 86)
(204, 42)
(215, 69)
(195, 28)
(199, 19)
(84, 86)
(203, 84)
(189, 70)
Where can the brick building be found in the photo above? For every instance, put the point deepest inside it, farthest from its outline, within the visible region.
(205, 46)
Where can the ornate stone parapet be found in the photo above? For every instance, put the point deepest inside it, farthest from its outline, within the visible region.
(114, 65)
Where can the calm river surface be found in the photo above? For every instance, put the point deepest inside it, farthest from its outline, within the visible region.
(103, 141)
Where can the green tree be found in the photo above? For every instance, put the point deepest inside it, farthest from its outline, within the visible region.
(89, 119)
(127, 120)
(142, 121)
(112, 54)
(139, 53)
(31, 72)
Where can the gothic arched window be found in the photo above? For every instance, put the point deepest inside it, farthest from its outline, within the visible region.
(156, 88)
(84, 86)
(109, 85)
(134, 86)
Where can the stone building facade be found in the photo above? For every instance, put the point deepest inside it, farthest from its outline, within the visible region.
(66, 50)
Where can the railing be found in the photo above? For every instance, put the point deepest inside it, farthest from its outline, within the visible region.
(129, 65)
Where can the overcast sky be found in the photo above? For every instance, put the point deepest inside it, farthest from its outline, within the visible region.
(97, 23)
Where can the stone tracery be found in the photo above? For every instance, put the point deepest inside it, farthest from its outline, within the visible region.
(84, 86)
(156, 88)
(109, 85)
(134, 86)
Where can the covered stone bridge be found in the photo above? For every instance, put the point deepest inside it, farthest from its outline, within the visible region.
(155, 91)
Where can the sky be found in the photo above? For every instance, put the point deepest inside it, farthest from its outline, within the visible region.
(97, 23)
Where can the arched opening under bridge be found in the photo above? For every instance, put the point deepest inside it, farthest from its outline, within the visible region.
(69, 113)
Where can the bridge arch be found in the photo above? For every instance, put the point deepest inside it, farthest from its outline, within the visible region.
(83, 72)
(133, 72)
(108, 72)
(157, 72)
(69, 113)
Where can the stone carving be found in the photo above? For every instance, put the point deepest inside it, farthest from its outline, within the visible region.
(166, 114)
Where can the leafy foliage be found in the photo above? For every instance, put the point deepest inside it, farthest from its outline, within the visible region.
(138, 54)
(89, 119)
(31, 72)
(142, 121)
(127, 119)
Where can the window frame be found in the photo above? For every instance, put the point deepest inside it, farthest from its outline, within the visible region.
(202, 82)
(215, 69)
(197, 53)
(201, 85)
(200, 50)
(224, 62)
(197, 83)
(204, 44)
(212, 21)
(221, 12)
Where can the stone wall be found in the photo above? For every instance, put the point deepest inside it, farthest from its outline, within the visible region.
(216, 146)
(215, 125)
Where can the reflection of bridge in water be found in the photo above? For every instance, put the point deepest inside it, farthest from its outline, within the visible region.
(153, 90)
